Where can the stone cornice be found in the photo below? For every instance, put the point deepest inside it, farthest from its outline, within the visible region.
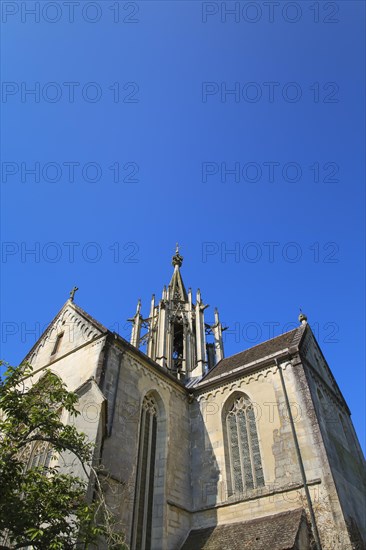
(251, 372)
(263, 493)
(58, 359)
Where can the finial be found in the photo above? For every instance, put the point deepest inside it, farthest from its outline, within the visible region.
(72, 293)
(177, 258)
(302, 318)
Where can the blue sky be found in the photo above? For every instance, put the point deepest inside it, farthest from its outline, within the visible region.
(156, 122)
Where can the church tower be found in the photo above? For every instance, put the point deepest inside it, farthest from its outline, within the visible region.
(177, 335)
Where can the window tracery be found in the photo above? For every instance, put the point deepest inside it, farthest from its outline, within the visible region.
(244, 452)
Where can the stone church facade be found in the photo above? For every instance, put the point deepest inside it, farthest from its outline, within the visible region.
(254, 451)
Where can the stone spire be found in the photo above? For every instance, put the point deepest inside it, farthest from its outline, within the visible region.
(176, 285)
(176, 329)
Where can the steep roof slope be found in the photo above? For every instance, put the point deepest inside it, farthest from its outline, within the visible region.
(277, 532)
(265, 349)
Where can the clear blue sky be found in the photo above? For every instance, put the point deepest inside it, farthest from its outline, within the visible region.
(132, 132)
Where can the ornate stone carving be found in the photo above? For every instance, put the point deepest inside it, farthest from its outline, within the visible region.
(242, 381)
(149, 404)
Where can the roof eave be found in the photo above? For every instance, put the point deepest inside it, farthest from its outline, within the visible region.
(286, 353)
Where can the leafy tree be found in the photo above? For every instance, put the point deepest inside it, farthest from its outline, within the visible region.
(40, 506)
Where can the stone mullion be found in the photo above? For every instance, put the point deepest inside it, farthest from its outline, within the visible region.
(238, 483)
(255, 451)
(48, 456)
(241, 453)
(250, 446)
(245, 450)
(231, 458)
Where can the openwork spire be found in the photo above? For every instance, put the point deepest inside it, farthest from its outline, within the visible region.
(176, 332)
(177, 258)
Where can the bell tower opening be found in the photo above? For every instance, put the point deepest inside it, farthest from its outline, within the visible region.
(178, 346)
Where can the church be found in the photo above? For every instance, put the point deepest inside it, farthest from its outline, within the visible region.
(206, 452)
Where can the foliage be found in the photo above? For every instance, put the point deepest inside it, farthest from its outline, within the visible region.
(42, 506)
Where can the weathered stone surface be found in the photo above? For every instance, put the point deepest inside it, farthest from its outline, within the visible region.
(286, 531)
(193, 486)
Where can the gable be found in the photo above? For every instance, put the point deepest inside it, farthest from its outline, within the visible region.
(311, 352)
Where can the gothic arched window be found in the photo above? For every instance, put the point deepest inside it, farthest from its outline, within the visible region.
(143, 508)
(41, 455)
(245, 470)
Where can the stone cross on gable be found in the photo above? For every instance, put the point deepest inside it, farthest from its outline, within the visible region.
(72, 293)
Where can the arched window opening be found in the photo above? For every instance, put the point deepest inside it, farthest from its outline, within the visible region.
(143, 508)
(57, 343)
(327, 414)
(178, 347)
(348, 436)
(244, 454)
(41, 456)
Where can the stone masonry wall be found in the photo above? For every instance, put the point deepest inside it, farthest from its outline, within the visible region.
(127, 380)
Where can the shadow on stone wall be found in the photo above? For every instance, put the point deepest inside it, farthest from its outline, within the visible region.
(205, 471)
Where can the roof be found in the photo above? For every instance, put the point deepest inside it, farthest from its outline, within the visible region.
(265, 349)
(277, 532)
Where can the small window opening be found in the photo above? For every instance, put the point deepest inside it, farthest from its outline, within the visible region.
(57, 343)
